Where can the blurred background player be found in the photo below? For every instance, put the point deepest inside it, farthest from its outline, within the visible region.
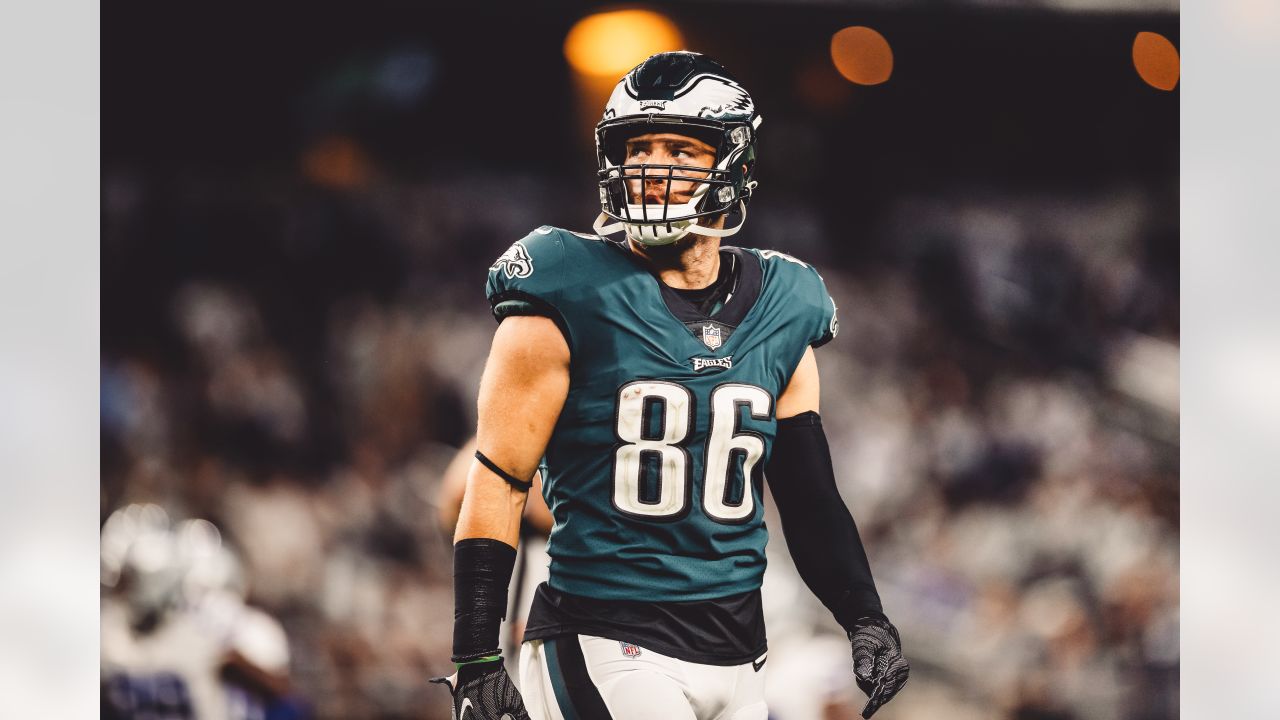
(178, 640)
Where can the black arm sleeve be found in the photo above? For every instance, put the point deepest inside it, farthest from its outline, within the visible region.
(820, 532)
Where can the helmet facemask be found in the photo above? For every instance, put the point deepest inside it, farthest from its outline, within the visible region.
(715, 190)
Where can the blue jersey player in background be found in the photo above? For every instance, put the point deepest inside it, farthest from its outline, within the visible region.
(662, 377)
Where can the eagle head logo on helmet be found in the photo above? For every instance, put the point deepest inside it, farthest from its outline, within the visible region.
(684, 93)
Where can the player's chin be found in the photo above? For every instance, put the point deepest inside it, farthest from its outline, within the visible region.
(678, 247)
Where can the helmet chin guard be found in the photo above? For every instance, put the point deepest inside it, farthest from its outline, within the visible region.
(663, 233)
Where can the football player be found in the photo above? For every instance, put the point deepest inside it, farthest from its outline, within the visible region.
(662, 375)
(177, 639)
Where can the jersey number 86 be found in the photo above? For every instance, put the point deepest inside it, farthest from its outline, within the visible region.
(652, 466)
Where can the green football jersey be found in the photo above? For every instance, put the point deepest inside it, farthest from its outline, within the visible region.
(654, 468)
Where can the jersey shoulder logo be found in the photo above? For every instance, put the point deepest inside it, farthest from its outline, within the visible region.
(629, 650)
(516, 262)
(834, 328)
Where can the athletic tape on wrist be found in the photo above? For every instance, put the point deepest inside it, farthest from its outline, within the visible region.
(458, 664)
(481, 573)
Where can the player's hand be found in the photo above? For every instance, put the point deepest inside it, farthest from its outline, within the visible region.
(878, 664)
(484, 691)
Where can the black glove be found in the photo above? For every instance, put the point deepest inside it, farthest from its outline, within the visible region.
(878, 664)
(484, 691)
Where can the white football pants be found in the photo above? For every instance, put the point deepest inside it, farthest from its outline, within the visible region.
(581, 677)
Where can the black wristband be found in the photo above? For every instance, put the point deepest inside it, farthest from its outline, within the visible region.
(481, 574)
(821, 534)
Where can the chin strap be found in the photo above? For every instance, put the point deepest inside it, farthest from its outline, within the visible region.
(722, 232)
(682, 227)
(602, 229)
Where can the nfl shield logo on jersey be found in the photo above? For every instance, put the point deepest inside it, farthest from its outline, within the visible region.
(711, 336)
(629, 650)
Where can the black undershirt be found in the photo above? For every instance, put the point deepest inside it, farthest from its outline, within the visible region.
(709, 299)
(723, 631)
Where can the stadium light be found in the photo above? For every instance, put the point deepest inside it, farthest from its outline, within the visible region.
(1156, 60)
(336, 162)
(862, 55)
(609, 44)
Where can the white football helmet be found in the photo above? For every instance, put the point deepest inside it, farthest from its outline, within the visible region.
(151, 577)
(120, 530)
(211, 566)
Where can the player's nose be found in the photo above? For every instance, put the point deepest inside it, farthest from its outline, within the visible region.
(655, 189)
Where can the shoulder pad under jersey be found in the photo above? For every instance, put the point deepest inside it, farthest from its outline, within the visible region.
(527, 278)
(814, 306)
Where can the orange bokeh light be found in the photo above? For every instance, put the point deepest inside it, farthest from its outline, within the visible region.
(862, 55)
(609, 44)
(336, 162)
(1156, 60)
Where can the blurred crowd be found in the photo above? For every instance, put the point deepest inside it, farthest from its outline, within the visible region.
(1002, 404)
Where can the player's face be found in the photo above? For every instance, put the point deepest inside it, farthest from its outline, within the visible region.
(661, 149)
